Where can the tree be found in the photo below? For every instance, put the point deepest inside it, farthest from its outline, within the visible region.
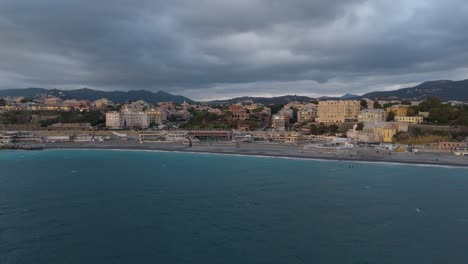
(431, 102)
(2, 102)
(387, 105)
(360, 126)
(26, 100)
(406, 102)
(363, 104)
(391, 116)
(333, 128)
(377, 105)
(276, 108)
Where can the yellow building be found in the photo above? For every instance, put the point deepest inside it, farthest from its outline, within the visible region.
(398, 110)
(387, 134)
(410, 119)
(337, 111)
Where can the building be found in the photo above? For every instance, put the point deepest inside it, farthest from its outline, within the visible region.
(376, 132)
(139, 105)
(452, 145)
(306, 114)
(278, 122)
(372, 116)
(53, 101)
(156, 116)
(166, 105)
(128, 118)
(135, 119)
(410, 119)
(398, 110)
(102, 103)
(114, 120)
(337, 111)
(238, 112)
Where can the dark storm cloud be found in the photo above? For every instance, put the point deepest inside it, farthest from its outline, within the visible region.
(213, 48)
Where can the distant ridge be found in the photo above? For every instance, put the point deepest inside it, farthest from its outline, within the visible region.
(92, 95)
(446, 90)
(264, 100)
(443, 89)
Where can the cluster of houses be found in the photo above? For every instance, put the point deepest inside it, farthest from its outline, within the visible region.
(141, 115)
(53, 104)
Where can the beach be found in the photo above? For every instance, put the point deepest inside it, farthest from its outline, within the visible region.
(278, 150)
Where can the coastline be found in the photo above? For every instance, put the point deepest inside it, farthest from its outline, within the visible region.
(276, 151)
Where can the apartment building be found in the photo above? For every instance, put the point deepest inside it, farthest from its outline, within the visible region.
(114, 120)
(306, 114)
(278, 122)
(156, 116)
(337, 111)
(127, 119)
(372, 116)
(398, 110)
(410, 119)
(238, 112)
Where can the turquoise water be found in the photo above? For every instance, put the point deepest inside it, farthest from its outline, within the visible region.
(82, 206)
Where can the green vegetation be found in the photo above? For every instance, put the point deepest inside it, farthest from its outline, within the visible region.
(15, 118)
(377, 105)
(275, 108)
(46, 118)
(406, 102)
(363, 104)
(387, 105)
(2, 102)
(443, 114)
(206, 120)
(391, 116)
(26, 100)
(322, 129)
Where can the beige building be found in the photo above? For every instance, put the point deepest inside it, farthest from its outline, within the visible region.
(135, 119)
(127, 119)
(53, 101)
(372, 116)
(410, 119)
(337, 111)
(238, 112)
(377, 132)
(102, 103)
(306, 114)
(156, 116)
(398, 110)
(278, 122)
(114, 120)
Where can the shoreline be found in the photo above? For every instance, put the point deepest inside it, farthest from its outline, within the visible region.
(278, 151)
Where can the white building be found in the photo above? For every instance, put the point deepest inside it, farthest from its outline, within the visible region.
(127, 119)
(135, 119)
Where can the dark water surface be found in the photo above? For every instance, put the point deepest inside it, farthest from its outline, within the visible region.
(77, 206)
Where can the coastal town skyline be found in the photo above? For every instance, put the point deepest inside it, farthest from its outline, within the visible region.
(222, 49)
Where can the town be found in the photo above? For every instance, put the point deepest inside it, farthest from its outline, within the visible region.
(376, 124)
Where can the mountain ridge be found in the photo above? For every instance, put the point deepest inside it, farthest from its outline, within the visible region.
(92, 95)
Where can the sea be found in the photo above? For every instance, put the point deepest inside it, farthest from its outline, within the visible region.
(104, 206)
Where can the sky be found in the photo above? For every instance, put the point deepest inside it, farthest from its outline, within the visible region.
(213, 49)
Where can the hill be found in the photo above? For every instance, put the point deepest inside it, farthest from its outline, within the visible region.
(443, 89)
(264, 100)
(92, 95)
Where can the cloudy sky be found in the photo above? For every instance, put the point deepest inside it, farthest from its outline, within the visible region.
(209, 49)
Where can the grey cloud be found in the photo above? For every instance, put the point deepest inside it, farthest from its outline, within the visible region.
(213, 48)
